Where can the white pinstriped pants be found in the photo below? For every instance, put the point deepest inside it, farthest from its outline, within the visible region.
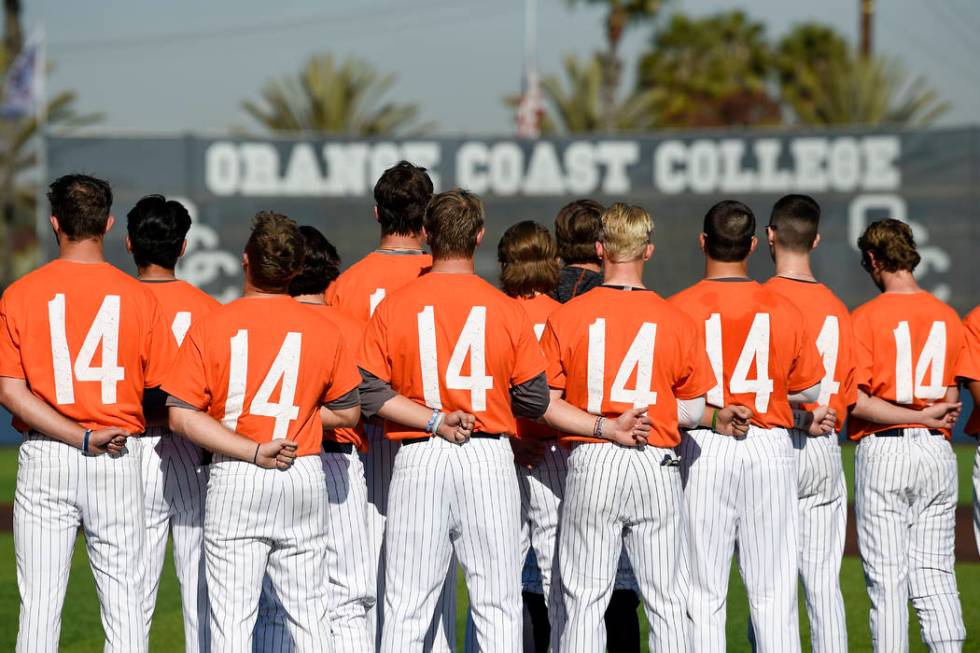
(822, 529)
(614, 496)
(542, 490)
(260, 521)
(174, 485)
(443, 498)
(905, 504)
(58, 489)
(976, 498)
(741, 497)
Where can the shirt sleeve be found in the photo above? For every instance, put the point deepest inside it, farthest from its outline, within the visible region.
(528, 359)
(11, 363)
(531, 398)
(863, 352)
(344, 376)
(969, 367)
(161, 347)
(187, 379)
(696, 376)
(807, 368)
(552, 353)
(373, 356)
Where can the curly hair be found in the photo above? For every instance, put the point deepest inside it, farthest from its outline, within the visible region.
(275, 251)
(892, 244)
(528, 257)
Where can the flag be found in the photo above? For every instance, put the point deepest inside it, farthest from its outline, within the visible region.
(22, 84)
(529, 110)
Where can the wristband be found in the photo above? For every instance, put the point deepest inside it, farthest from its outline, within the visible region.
(597, 428)
(714, 420)
(439, 421)
(255, 457)
(431, 426)
(88, 434)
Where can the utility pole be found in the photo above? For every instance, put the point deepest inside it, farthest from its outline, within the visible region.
(867, 16)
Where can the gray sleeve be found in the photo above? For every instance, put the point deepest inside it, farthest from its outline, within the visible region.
(348, 400)
(531, 398)
(174, 402)
(808, 396)
(374, 393)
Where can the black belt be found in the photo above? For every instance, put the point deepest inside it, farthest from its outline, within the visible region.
(475, 436)
(899, 433)
(329, 446)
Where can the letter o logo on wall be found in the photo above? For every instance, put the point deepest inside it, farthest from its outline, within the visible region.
(221, 169)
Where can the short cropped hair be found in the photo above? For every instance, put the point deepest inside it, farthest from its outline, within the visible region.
(157, 228)
(453, 221)
(275, 251)
(892, 243)
(321, 264)
(528, 257)
(81, 203)
(577, 229)
(795, 220)
(401, 194)
(728, 230)
(626, 232)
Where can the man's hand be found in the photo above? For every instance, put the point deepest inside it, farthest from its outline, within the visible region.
(456, 427)
(733, 420)
(278, 454)
(941, 415)
(111, 440)
(823, 420)
(527, 453)
(629, 429)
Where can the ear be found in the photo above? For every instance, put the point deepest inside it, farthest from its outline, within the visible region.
(244, 261)
(479, 236)
(816, 241)
(702, 238)
(755, 242)
(771, 236)
(108, 224)
(600, 251)
(377, 218)
(183, 248)
(54, 224)
(129, 245)
(648, 251)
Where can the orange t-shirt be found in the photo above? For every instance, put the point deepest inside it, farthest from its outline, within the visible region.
(181, 304)
(88, 339)
(908, 349)
(612, 349)
(362, 286)
(455, 342)
(827, 320)
(970, 369)
(757, 345)
(538, 309)
(351, 332)
(264, 378)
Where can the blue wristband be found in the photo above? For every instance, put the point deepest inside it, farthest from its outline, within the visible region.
(432, 420)
(88, 432)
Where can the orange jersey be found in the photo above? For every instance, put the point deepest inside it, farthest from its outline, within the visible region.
(181, 304)
(971, 363)
(88, 339)
(362, 286)
(351, 332)
(908, 349)
(757, 345)
(538, 309)
(827, 320)
(613, 349)
(453, 341)
(264, 378)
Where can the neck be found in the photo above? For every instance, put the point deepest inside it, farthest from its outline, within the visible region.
(252, 291)
(453, 265)
(628, 273)
(155, 272)
(310, 299)
(81, 251)
(901, 281)
(725, 269)
(793, 265)
(398, 241)
(594, 267)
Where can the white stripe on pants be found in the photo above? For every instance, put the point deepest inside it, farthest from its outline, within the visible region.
(174, 484)
(260, 521)
(905, 503)
(822, 528)
(617, 496)
(444, 498)
(741, 499)
(542, 490)
(58, 489)
(379, 464)
(976, 498)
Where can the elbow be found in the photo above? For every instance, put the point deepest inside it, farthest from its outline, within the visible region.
(349, 417)
(175, 420)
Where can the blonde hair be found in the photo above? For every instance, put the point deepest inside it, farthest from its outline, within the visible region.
(626, 232)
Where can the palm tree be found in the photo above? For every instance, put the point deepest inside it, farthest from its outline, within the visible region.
(334, 98)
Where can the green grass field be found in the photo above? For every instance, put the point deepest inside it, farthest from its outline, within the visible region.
(82, 631)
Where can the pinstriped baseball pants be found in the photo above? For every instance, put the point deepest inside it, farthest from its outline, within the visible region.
(174, 485)
(58, 489)
(905, 504)
(265, 521)
(741, 499)
(614, 496)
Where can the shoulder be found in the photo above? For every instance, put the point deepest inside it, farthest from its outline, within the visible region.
(685, 297)
(972, 318)
(355, 270)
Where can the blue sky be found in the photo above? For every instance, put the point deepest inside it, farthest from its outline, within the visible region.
(185, 65)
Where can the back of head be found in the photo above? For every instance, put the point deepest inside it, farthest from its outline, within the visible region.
(274, 250)
(157, 228)
(795, 220)
(528, 257)
(321, 264)
(577, 229)
(453, 221)
(626, 232)
(401, 194)
(729, 227)
(81, 204)
(892, 244)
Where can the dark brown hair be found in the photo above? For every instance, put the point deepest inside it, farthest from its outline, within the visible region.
(452, 221)
(401, 194)
(577, 228)
(795, 220)
(81, 203)
(528, 257)
(892, 243)
(728, 230)
(275, 251)
(321, 264)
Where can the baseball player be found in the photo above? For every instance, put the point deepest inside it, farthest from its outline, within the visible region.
(79, 343)
(908, 347)
(740, 492)
(469, 349)
(577, 228)
(400, 196)
(971, 373)
(258, 392)
(174, 476)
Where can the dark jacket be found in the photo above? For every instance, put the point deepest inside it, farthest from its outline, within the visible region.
(573, 281)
